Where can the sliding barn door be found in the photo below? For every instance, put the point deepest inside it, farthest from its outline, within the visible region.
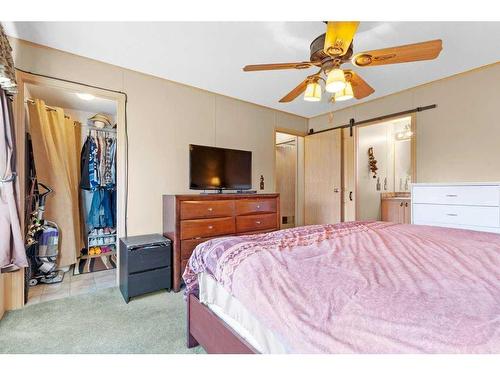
(323, 178)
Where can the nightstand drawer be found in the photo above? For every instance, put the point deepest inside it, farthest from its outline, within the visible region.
(149, 257)
(149, 281)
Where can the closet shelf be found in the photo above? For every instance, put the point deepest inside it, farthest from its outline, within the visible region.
(101, 235)
(99, 255)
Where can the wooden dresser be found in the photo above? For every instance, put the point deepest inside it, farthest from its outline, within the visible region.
(191, 219)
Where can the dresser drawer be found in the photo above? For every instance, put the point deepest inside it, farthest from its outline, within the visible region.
(474, 195)
(252, 223)
(184, 263)
(149, 257)
(206, 209)
(188, 246)
(206, 227)
(476, 216)
(253, 206)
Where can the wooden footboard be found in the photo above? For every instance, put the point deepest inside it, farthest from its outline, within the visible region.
(212, 333)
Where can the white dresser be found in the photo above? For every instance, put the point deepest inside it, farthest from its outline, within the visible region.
(473, 206)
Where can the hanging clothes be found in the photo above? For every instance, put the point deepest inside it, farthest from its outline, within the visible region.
(98, 174)
(12, 253)
(84, 165)
(101, 210)
(98, 161)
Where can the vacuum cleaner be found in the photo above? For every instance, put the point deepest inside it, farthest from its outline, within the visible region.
(42, 245)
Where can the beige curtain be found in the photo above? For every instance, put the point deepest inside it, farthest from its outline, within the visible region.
(56, 162)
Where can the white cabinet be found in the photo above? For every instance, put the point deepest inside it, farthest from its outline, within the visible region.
(467, 206)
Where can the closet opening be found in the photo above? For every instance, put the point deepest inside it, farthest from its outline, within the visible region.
(385, 168)
(289, 177)
(72, 179)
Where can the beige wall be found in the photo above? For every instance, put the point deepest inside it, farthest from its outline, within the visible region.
(163, 118)
(456, 142)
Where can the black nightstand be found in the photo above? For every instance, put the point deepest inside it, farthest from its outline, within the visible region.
(145, 265)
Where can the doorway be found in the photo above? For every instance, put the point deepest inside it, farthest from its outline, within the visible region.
(323, 177)
(95, 264)
(385, 165)
(289, 177)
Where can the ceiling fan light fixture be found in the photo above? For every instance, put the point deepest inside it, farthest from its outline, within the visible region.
(344, 94)
(335, 81)
(313, 92)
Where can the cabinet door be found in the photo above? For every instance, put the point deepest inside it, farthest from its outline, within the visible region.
(391, 210)
(401, 212)
(322, 159)
(407, 212)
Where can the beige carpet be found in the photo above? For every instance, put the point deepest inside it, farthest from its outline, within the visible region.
(100, 322)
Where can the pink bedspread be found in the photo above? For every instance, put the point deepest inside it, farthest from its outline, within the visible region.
(364, 287)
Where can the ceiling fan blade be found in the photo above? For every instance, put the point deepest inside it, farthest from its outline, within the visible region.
(360, 88)
(296, 65)
(339, 37)
(296, 91)
(402, 54)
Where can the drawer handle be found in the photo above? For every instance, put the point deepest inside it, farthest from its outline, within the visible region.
(210, 227)
(258, 206)
(401, 204)
(452, 214)
(210, 209)
(258, 222)
(451, 195)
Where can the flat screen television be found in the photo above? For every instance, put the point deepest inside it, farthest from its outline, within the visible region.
(214, 168)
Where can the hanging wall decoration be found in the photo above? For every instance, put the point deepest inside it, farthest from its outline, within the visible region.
(372, 162)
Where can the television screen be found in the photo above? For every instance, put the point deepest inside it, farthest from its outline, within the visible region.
(214, 168)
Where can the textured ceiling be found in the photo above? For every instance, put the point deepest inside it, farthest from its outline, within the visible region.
(210, 55)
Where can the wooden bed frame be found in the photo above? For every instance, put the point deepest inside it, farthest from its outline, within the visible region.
(212, 333)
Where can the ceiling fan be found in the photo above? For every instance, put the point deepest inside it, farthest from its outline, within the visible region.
(334, 48)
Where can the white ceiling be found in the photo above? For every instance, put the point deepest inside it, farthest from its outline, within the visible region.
(210, 55)
(69, 100)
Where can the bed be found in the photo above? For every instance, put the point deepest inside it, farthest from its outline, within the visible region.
(357, 287)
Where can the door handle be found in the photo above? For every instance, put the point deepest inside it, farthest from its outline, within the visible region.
(336, 189)
(406, 204)
(350, 196)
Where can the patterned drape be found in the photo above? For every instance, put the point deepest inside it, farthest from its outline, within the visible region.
(7, 71)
